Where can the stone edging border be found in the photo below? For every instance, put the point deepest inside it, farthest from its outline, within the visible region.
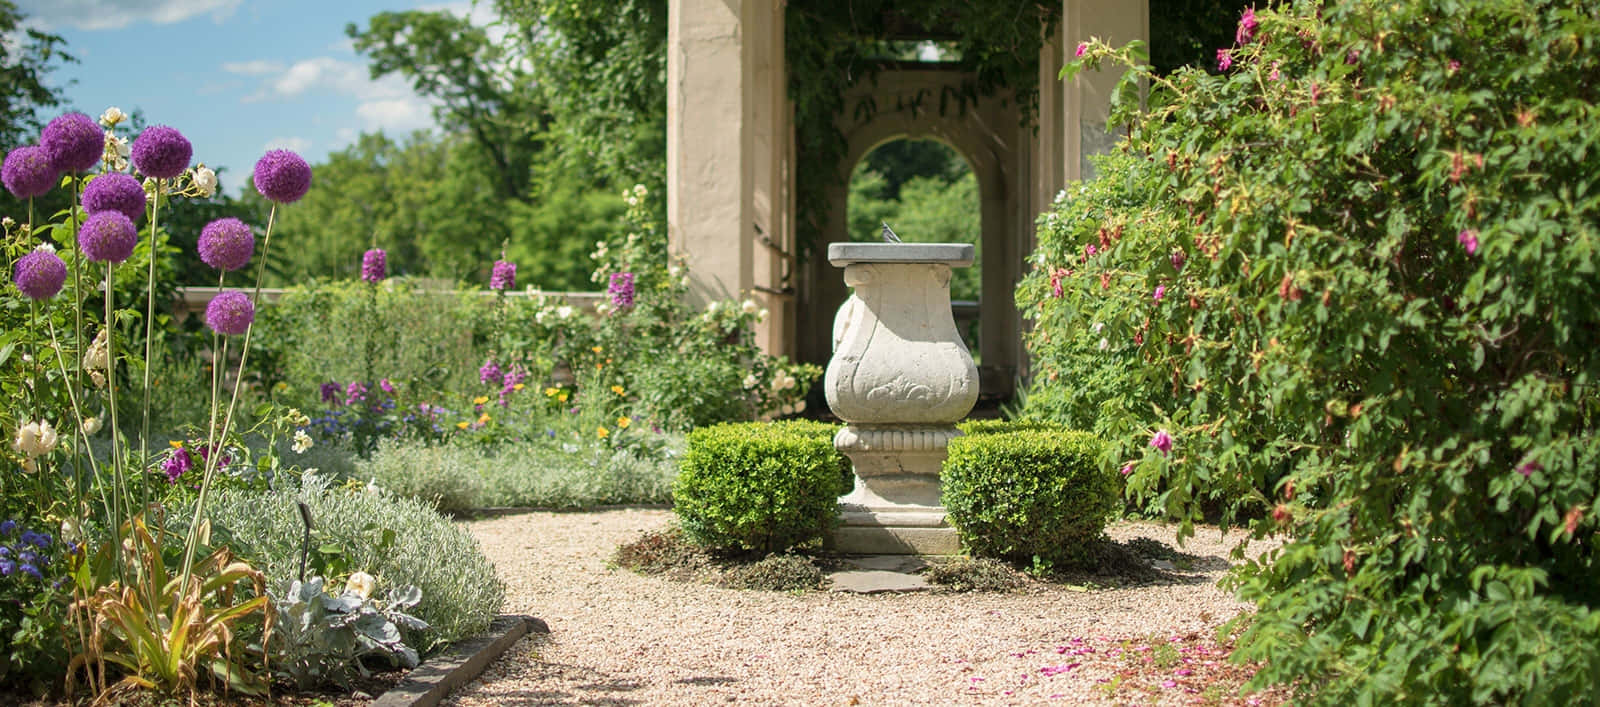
(431, 682)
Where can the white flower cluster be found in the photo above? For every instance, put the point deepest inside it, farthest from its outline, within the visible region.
(783, 381)
(97, 359)
(302, 442)
(360, 584)
(34, 439)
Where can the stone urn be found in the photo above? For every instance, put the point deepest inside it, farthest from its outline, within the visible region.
(900, 377)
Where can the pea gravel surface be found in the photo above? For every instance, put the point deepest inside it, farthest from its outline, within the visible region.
(619, 638)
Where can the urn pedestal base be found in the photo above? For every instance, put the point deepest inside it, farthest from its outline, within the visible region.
(895, 507)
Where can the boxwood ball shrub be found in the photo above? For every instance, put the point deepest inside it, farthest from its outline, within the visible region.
(759, 487)
(1036, 492)
(1357, 289)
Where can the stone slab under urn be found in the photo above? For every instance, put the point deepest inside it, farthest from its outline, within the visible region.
(900, 377)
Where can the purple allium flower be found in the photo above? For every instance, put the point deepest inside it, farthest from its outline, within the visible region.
(230, 313)
(73, 141)
(503, 276)
(115, 192)
(108, 237)
(177, 463)
(1162, 441)
(355, 392)
(1224, 59)
(489, 371)
(282, 176)
(227, 244)
(1161, 291)
(1468, 239)
(1247, 27)
(40, 274)
(161, 152)
(621, 289)
(28, 173)
(330, 392)
(374, 265)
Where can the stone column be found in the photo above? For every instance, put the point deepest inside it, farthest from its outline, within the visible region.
(900, 377)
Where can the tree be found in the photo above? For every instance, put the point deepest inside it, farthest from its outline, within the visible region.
(23, 68)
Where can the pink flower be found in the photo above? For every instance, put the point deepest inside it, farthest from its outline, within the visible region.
(1082, 47)
(1247, 26)
(1224, 59)
(1169, 683)
(1274, 76)
(1527, 468)
(1162, 440)
(1127, 468)
(1454, 66)
(1161, 291)
(1089, 251)
(1468, 239)
(1178, 258)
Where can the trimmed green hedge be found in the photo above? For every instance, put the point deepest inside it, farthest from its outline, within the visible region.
(759, 487)
(1034, 492)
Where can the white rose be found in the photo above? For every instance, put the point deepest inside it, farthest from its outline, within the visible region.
(564, 311)
(302, 442)
(360, 584)
(47, 437)
(112, 116)
(602, 308)
(205, 180)
(750, 381)
(761, 316)
(749, 307)
(27, 438)
(91, 425)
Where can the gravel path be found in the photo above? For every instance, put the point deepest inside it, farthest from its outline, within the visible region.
(618, 638)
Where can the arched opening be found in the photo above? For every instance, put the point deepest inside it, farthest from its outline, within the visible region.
(927, 193)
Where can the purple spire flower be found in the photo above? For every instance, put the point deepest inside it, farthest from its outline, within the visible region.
(115, 192)
(177, 463)
(230, 313)
(282, 176)
(374, 265)
(108, 237)
(161, 152)
(227, 244)
(73, 141)
(621, 289)
(1162, 440)
(330, 392)
(489, 371)
(503, 276)
(28, 173)
(40, 274)
(1247, 27)
(355, 392)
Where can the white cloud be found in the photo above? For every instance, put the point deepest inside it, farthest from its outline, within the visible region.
(116, 14)
(294, 144)
(396, 117)
(257, 67)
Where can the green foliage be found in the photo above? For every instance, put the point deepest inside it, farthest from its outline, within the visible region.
(982, 574)
(777, 573)
(1031, 494)
(1397, 320)
(546, 474)
(927, 194)
(758, 487)
(322, 638)
(397, 540)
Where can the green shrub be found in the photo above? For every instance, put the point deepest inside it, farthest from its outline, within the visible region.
(777, 573)
(449, 478)
(758, 487)
(1033, 493)
(1375, 242)
(397, 540)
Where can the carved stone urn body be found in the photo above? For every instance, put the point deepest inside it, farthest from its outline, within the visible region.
(900, 377)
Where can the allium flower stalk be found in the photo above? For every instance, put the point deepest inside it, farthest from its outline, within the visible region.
(40, 274)
(28, 172)
(73, 141)
(621, 289)
(226, 244)
(108, 237)
(161, 152)
(374, 265)
(230, 313)
(503, 276)
(282, 176)
(115, 192)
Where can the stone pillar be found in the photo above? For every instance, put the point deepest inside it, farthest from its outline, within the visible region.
(900, 377)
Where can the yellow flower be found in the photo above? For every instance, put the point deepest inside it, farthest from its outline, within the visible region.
(461, 425)
(618, 390)
(176, 444)
(480, 400)
(281, 386)
(483, 419)
(519, 386)
(551, 392)
(602, 432)
(562, 397)
(623, 422)
(597, 349)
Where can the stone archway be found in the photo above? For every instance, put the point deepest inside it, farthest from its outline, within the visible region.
(906, 103)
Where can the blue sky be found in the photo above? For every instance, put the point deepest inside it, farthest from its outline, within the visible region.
(238, 77)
